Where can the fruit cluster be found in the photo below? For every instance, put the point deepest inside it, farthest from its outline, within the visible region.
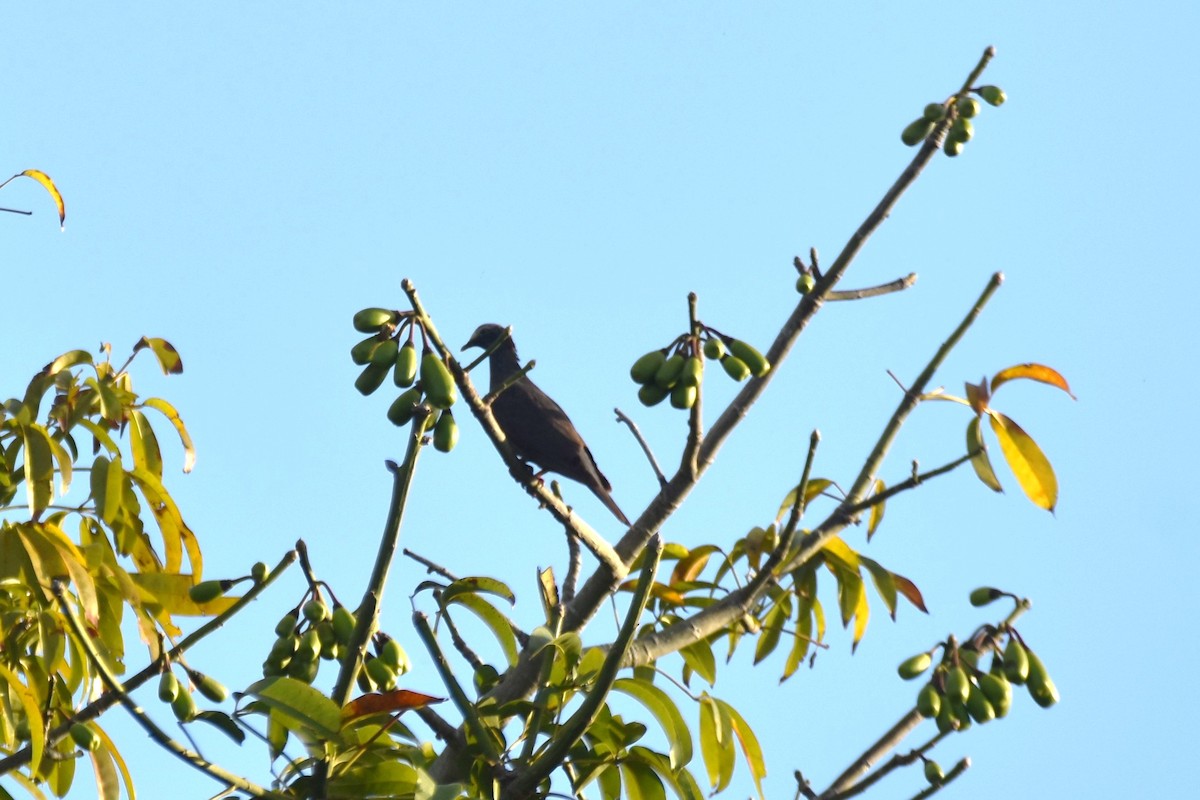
(960, 693)
(313, 632)
(382, 352)
(677, 369)
(960, 110)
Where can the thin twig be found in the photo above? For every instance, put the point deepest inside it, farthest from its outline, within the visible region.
(637, 434)
(898, 285)
(430, 566)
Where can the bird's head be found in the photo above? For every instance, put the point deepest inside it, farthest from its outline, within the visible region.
(487, 336)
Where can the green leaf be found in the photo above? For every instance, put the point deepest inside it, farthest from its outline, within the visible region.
(716, 742)
(641, 783)
(168, 411)
(664, 710)
(1030, 466)
(39, 468)
(884, 582)
(772, 628)
(298, 706)
(699, 656)
(812, 490)
(476, 585)
(980, 461)
(224, 723)
(679, 780)
(144, 444)
(378, 779)
(749, 743)
(497, 623)
(108, 785)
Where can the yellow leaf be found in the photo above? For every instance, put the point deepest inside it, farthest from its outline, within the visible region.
(167, 410)
(33, 713)
(979, 460)
(1033, 372)
(45, 181)
(1030, 466)
(838, 548)
(876, 510)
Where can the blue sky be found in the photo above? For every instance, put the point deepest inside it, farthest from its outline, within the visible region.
(240, 178)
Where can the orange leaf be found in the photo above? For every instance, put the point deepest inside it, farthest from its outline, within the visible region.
(44, 180)
(691, 565)
(1027, 461)
(978, 395)
(1033, 372)
(386, 703)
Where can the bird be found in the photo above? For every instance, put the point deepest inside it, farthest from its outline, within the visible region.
(536, 427)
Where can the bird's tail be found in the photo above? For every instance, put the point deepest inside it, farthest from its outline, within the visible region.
(611, 505)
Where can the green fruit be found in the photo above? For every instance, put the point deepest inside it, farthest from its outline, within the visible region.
(652, 394)
(304, 671)
(934, 112)
(325, 634)
(393, 655)
(646, 367)
(406, 365)
(952, 147)
(683, 396)
(259, 572)
(933, 773)
(958, 685)
(272, 668)
(343, 624)
(714, 348)
(929, 702)
(210, 687)
(437, 382)
(962, 130)
(381, 674)
(1041, 688)
(915, 132)
(361, 353)
(992, 95)
(967, 107)
(945, 720)
(805, 282)
(668, 374)
(998, 691)
(206, 591)
(315, 610)
(984, 595)
(445, 433)
(370, 320)
(385, 354)
(168, 686)
(735, 368)
(309, 646)
(371, 378)
(284, 648)
(184, 707)
(960, 715)
(693, 369)
(401, 411)
(84, 736)
(1016, 662)
(364, 681)
(914, 666)
(979, 707)
(287, 624)
(753, 359)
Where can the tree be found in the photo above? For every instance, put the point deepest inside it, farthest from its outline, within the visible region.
(561, 712)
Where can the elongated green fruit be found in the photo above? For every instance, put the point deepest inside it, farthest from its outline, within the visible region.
(84, 736)
(962, 130)
(207, 591)
(168, 686)
(435, 379)
(992, 95)
(259, 572)
(979, 707)
(952, 147)
(714, 348)
(929, 702)
(210, 687)
(343, 624)
(304, 671)
(184, 707)
(753, 359)
(984, 595)
(668, 374)
(394, 656)
(735, 368)
(915, 132)
(998, 691)
(693, 369)
(406, 365)
(958, 685)
(934, 112)
(652, 394)
(646, 367)
(371, 378)
(361, 353)
(287, 624)
(683, 396)
(966, 106)
(381, 674)
(912, 667)
(1041, 688)
(402, 408)
(385, 354)
(445, 433)
(315, 610)
(1016, 662)
(370, 320)
(933, 773)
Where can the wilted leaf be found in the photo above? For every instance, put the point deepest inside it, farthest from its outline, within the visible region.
(1030, 466)
(980, 461)
(45, 181)
(1033, 372)
(386, 703)
(164, 351)
(168, 411)
(978, 396)
(691, 565)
